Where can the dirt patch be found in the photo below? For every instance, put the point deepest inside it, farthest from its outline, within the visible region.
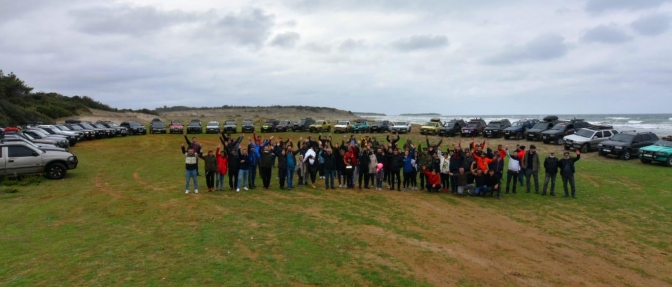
(590, 179)
(116, 194)
(137, 179)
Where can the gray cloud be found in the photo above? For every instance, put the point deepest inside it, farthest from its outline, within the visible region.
(250, 27)
(544, 47)
(421, 42)
(611, 34)
(351, 45)
(124, 19)
(651, 25)
(599, 6)
(285, 40)
(318, 48)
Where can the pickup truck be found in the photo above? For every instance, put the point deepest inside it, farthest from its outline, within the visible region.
(19, 158)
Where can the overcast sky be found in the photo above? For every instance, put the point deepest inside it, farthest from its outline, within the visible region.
(387, 56)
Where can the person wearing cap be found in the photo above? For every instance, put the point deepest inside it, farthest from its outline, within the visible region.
(567, 171)
(551, 168)
(530, 165)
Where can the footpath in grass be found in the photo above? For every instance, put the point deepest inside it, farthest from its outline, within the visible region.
(122, 218)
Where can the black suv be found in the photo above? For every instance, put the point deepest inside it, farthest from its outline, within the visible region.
(560, 130)
(88, 134)
(626, 144)
(248, 126)
(109, 131)
(381, 126)
(473, 128)
(100, 133)
(157, 126)
(303, 124)
(495, 129)
(269, 125)
(452, 128)
(534, 134)
(284, 126)
(195, 126)
(229, 126)
(122, 131)
(134, 128)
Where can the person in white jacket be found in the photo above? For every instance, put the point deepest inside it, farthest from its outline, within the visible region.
(445, 170)
(514, 170)
(310, 159)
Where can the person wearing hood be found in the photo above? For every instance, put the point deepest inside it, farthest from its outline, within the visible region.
(380, 176)
(222, 168)
(310, 159)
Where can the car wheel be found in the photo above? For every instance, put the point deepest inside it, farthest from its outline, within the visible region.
(56, 171)
(646, 161)
(626, 155)
(584, 148)
(668, 162)
(560, 141)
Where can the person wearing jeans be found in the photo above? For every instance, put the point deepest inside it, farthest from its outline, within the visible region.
(328, 164)
(530, 165)
(243, 168)
(513, 171)
(191, 166)
(210, 169)
(222, 168)
(567, 171)
(551, 167)
(234, 164)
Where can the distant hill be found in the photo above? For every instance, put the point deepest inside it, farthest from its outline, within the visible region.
(369, 114)
(421, 115)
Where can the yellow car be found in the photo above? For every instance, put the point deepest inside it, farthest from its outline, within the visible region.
(320, 126)
(432, 127)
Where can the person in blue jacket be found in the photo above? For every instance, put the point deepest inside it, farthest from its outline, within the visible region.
(409, 157)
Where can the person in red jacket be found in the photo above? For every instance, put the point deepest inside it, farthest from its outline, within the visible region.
(222, 166)
(433, 180)
(521, 154)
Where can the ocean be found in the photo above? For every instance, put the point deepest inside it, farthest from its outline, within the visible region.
(660, 124)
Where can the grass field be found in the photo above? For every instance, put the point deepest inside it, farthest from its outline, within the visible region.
(122, 218)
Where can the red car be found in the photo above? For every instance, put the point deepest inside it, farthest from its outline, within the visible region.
(176, 127)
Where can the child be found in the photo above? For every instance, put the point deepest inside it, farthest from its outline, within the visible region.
(380, 175)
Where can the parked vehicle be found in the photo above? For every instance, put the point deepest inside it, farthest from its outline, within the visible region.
(88, 134)
(80, 135)
(303, 124)
(157, 127)
(230, 126)
(401, 127)
(431, 127)
(452, 128)
(20, 158)
(284, 126)
(108, 131)
(19, 136)
(73, 137)
(100, 133)
(195, 127)
(37, 139)
(518, 129)
(474, 128)
(320, 126)
(626, 144)
(269, 125)
(559, 131)
(121, 131)
(588, 139)
(361, 126)
(176, 127)
(212, 127)
(661, 151)
(247, 126)
(134, 128)
(380, 126)
(40, 134)
(342, 127)
(495, 129)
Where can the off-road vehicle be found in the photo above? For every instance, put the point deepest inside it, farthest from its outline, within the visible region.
(626, 144)
(495, 129)
(100, 133)
(588, 139)
(19, 136)
(518, 129)
(269, 125)
(195, 127)
(230, 126)
(247, 126)
(361, 126)
(88, 134)
(108, 131)
(73, 137)
(39, 133)
(37, 139)
(320, 126)
(121, 131)
(80, 135)
(559, 131)
(176, 127)
(19, 158)
(303, 124)
(134, 128)
(342, 127)
(284, 126)
(661, 151)
(157, 127)
(401, 127)
(473, 128)
(212, 127)
(380, 126)
(431, 127)
(452, 127)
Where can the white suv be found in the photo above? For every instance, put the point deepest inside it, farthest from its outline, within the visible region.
(588, 139)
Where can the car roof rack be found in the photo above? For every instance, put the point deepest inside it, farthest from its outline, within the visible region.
(600, 127)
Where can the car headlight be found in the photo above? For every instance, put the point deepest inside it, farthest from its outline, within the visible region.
(600, 145)
(661, 153)
(619, 147)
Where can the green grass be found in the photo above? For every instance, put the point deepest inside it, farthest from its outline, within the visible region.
(121, 218)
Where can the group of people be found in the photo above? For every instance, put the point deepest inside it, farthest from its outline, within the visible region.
(367, 163)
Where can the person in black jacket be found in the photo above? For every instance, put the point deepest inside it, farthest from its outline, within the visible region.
(567, 171)
(329, 166)
(193, 144)
(551, 167)
(393, 143)
(387, 166)
(363, 162)
(234, 162)
(282, 166)
(397, 165)
(493, 182)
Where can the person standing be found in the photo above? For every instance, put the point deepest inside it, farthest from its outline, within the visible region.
(531, 165)
(520, 151)
(397, 165)
(363, 167)
(222, 168)
(408, 167)
(513, 171)
(373, 164)
(210, 170)
(329, 165)
(567, 170)
(380, 176)
(234, 163)
(193, 144)
(243, 169)
(266, 166)
(191, 165)
(291, 166)
(551, 168)
(445, 171)
(310, 159)
(282, 167)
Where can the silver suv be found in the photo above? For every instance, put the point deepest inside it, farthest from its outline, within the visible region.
(19, 158)
(588, 139)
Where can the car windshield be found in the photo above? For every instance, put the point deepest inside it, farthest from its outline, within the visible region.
(113, 125)
(626, 138)
(77, 128)
(213, 123)
(87, 126)
(664, 143)
(585, 133)
(63, 128)
(284, 123)
(559, 127)
(100, 126)
(342, 123)
(517, 124)
(175, 123)
(430, 123)
(28, 136)
(159, 125)
(230, 123)
(494, 125)
(40, 132)
(471, 125)
(319, 122)
(540, 126)
(378, 123)
(134, 124)
(247, 122)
